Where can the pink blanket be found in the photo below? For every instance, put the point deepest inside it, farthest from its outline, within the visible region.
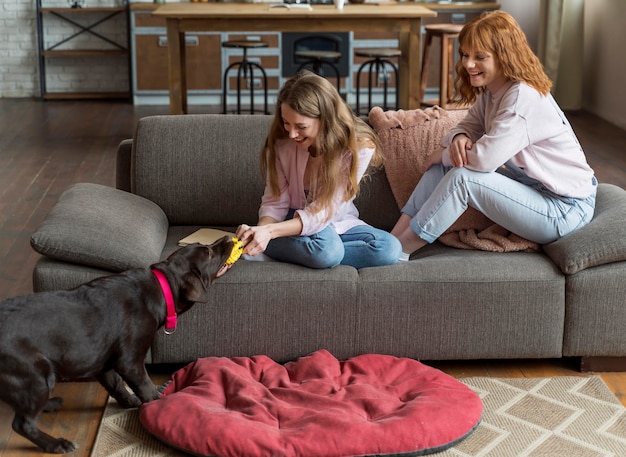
(408, 138)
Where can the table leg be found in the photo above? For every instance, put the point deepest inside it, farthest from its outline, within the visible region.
(403, 70)
(410, 67)
(176, 66)
(414, 58)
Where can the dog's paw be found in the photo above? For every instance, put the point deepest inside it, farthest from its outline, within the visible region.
(59, 446)
(130, 401)
(54, 404)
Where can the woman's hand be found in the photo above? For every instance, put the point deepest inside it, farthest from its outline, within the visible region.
(255, 239)
(434, 158)
(458, 150)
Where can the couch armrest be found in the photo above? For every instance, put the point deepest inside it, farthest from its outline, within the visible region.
(122, 165)
(102, 227)
(601, 241)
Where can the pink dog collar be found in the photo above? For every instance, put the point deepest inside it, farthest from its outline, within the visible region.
(170, 322)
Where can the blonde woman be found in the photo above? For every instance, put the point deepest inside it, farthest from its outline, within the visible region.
(514, 157)
(316, 153)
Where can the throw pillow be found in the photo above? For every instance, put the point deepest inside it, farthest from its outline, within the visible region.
(102, 227)
(601, 241)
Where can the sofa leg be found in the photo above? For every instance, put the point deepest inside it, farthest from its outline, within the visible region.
(602, 364)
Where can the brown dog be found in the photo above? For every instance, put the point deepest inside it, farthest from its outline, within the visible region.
(101, 329)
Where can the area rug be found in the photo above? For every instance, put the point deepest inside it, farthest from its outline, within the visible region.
(560, 416)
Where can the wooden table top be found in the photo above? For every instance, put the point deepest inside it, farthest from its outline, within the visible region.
(443, 7)
(267, 10)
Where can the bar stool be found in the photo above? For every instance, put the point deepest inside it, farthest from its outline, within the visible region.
(245, 72)
(318, 59)
(447, 33)
(380, 63)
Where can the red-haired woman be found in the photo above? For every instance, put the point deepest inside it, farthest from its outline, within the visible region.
(514, 157)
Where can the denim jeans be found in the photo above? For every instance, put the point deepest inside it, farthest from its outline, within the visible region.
(508, 197)
(361, 246)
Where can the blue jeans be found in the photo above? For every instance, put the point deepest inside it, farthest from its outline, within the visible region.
(508, 197)
(361, 246)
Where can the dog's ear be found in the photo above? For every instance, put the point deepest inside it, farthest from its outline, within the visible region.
(195, 286)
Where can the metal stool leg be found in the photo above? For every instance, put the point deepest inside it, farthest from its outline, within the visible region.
(397, 79)
(358, 90)
(370, 85)
(252, 66)
(245, 72)
(382, 68)
(363, 66)
(375, 68)
(240, 70)
(385, 65)
(317, 67)
(336, 70)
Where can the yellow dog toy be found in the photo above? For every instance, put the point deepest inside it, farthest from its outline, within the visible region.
(236, 252)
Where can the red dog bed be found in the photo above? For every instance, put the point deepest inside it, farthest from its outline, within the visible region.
(316, 406)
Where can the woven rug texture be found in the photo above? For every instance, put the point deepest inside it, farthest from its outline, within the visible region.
(552, 417)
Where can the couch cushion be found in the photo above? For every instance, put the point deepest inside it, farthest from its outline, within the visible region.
(462, 304)
(601, 241)
(276, 303)
(102, 227)
(209, 164)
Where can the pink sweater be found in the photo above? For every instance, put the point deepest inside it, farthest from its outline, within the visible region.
(519, 124)
(291, 163)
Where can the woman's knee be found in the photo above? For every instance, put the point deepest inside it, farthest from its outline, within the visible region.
(366, 246)
(390, 250)
(323, 253)
(461, 174)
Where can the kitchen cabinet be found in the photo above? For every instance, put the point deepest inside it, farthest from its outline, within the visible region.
(149, 43)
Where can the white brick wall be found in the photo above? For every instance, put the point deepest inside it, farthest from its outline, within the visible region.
(19, 66)
(18, 49)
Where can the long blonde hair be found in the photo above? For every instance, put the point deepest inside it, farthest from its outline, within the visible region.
(497, 32)
(340, 130)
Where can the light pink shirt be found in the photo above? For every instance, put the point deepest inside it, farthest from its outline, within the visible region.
(291, 161)
(517, 123)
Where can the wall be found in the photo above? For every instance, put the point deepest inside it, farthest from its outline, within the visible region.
(18, 49)
(527, 15)
(605, 60)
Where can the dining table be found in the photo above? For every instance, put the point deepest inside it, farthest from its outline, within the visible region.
(401, 18)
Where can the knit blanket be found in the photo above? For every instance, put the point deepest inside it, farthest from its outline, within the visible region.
(408, 139)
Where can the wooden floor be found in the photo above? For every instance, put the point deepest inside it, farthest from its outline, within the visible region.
(47, 146)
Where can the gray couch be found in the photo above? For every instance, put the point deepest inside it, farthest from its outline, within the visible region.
(180, 173)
